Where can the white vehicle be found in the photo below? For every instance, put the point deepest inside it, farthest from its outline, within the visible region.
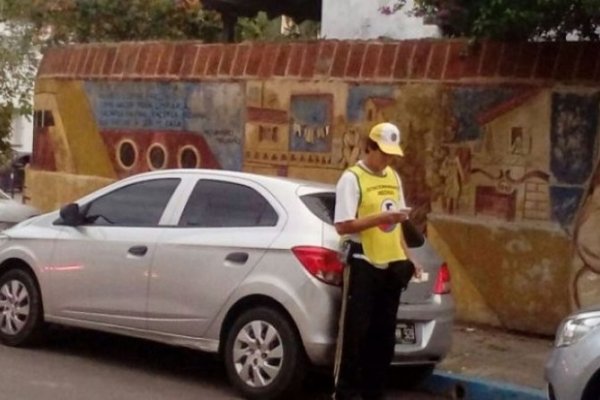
(237, 264)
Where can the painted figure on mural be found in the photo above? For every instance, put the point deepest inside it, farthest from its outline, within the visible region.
(453, 177)
(350, 147)
(369, 208)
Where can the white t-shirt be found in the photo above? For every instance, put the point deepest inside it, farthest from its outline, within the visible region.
(347, 196)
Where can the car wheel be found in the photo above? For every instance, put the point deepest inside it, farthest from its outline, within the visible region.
(21, 315)
(264, 356)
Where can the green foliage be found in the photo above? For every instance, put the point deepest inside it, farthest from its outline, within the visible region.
(513, 19)
(261, 27)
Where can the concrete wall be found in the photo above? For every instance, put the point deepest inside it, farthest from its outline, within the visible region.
(359, 19)
(501, 142)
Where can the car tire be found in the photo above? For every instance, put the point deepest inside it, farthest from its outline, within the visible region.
(21, 312)
(264, 356)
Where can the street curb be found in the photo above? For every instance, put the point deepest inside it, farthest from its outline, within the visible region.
(464, 387)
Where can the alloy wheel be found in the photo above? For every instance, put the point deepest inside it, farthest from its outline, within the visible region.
(14, 307)
(258, 354)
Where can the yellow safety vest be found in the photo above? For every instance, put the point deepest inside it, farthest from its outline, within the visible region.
(381, 244)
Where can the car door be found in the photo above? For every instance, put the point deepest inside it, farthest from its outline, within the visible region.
(100, 271)
(224, 230)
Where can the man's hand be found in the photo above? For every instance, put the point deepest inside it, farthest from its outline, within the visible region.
(393, 217)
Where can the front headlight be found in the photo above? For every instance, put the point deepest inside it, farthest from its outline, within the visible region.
(576, 327)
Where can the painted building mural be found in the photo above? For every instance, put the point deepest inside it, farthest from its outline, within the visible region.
(503, 177)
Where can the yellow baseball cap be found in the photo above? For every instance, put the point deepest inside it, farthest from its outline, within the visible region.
(387, 137)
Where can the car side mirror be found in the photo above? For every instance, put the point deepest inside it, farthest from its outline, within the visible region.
(70, 215)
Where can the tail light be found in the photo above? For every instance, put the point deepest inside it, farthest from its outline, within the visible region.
(442, 282)
(323, 264)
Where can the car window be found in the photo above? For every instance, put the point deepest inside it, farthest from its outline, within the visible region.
(321, 204)
(138, 204)
(215, 204)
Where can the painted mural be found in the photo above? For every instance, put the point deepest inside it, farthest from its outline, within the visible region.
(513, 169)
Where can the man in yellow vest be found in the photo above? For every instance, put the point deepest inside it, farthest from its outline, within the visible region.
(369, 209)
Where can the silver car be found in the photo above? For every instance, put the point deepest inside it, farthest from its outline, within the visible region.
(573, 368)
(237, 264)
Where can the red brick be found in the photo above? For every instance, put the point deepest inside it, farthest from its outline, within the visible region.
(130, 68)
(437, 63)
(178, 59)
(164, 65)
(403, 59)
(567, 59)
(386, 61)
(99, 62)
(372, 57)
(418, 65)
(89, 62)
(256, 55)
(526, 63)
(546, 60)
(509, 59)
(201, 61)
(189, 58)
(81, 63)
(296, 57)
(267, 64)
(471, 61)
(356, 59)
(140, 68)
(325, 58)
(310, 60)
(227, 60)
(212, 68)
(587, 61)
(154, 55)
(340, 59)
(491, 55)
(456, 60)
(241, 59)
(111, 53)
(74, 61)
(282, 60)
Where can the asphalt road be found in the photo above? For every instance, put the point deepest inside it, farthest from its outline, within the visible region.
(84, 365)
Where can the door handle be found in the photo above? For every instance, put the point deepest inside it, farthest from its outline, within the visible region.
(138, 250)
(238, 258)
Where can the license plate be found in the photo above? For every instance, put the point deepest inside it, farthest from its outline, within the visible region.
(405, 333)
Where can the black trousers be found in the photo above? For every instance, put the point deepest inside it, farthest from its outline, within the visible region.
(368, 327)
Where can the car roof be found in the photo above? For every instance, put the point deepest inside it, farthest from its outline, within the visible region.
(264, 179)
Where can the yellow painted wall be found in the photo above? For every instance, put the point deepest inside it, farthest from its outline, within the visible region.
(50, 190)
(516, 278)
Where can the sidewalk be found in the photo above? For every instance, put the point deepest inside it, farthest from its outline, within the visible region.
(494, 360)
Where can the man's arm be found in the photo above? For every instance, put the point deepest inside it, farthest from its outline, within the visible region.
(360, 224)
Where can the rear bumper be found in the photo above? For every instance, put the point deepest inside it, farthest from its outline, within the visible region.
(433, 328)
(433, 324)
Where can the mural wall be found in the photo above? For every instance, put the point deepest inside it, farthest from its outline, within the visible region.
(504, 177)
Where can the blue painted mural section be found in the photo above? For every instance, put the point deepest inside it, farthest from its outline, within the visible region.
(573, 136)
(213, 110)
(565, 203)
(132, 105)
(217, 110)
(358, 95)
(311, 121)
(468, 103)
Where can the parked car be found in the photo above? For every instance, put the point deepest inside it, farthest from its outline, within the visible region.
(573, 368)
(237, 264)
(13, 212)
